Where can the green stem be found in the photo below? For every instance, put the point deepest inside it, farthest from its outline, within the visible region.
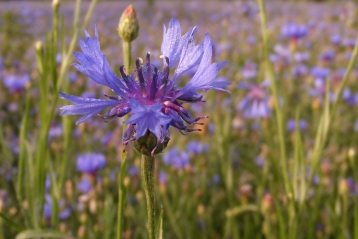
(147, 173)
(127, 55)
(122, 194)
(278, 111)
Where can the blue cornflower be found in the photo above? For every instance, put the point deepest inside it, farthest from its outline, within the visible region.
(176, 158)
(197, 147)
(84, 185)
(299, 71)
(327, 55)
(16, 83)
(90, 162)
(336, 39)
(249, 71)
(64, 211)
(320, 72)
(151, 96)
(291, 125)
(294, 31)
(162, 177)
(255, 104)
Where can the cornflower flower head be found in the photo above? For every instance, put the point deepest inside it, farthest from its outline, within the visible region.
(299, 70)
(84, 186)
(16, 83)
(196, 147)
(176, 158)
(291, 125)
(327, 56)
(90, 162)
(320, 72)
(294, 31)
(152, 96)
(336, 40)
(255, 104)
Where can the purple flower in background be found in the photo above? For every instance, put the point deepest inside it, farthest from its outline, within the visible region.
(327, 55)
(84, 185)
(176, 158)
(336, 39)
(249, 71)
(349, 97)
(90, 162)
(291, 125)
(162, 177)
(294, 31)
(255, 104)
(197, 147)
(16, 83)
(302, 56)
(133, 171)
(299, 71)
(152, 96)
(320, 72)
(64, 211)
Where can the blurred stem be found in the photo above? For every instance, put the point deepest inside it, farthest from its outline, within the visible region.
(147, 173)
(122, 195)
(127, 55)
(278, 112)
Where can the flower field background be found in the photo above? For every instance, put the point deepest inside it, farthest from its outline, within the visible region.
(275, 159)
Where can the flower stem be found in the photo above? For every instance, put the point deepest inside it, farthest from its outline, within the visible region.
(147, 172)
(122, 194)
(127, 55)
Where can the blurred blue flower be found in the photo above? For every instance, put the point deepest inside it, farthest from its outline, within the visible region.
(176, 158)
(320, 72)
(197, 147)
(133, 171)
(216, 179)
(327, 55)
(291, 125)
(299, 71)
(349, 97)
(152, 96)
(350, 42)
(249, 71)
(16, 83)
(90, 162)
(84, 185)
(162, 177)
(294, 31)
(302, 56)
(336, 39)
(255, 104)
(64, 211)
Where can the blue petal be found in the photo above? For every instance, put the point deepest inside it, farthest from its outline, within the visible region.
(148, 118)
(171, 41)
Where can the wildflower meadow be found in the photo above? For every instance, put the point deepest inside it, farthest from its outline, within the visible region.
(178, 119)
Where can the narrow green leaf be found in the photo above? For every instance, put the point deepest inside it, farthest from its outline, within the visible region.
(28, 234)
(159, 229)
(10, 222)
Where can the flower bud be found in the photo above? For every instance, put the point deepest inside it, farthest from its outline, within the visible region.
(128, 26)
(148, 145)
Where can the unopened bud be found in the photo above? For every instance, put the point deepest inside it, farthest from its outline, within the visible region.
(343, 187)
(128, 26)
(148, 144)
(81, 233)
(201, 209)
(55, 4)
(267, 204)
(38, 45)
